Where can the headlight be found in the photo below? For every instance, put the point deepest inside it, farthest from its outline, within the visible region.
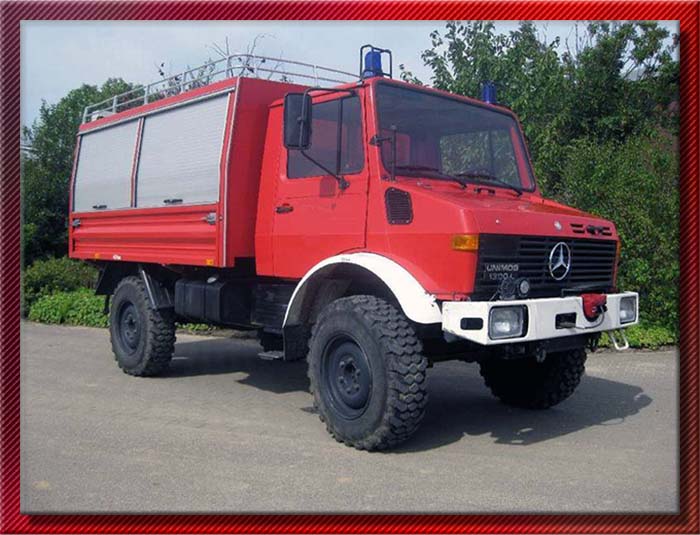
(628, 309)
(507, 322)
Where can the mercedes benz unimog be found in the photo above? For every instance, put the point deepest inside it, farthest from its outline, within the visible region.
(367, 225)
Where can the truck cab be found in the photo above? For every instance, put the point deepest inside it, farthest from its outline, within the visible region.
(372, 227)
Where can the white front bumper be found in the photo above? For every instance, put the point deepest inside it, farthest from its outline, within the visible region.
(541, 321)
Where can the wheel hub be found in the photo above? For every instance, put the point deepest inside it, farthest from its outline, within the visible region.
(129, 326)
(347, 377)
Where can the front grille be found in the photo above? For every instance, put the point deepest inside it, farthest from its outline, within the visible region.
(592, 265)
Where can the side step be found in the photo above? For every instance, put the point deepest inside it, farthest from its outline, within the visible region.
(271, 355)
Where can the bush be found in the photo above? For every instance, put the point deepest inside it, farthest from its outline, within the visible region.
(645, 336)
(196, 328)
(80, 307)
(635, 184)
(45, 277)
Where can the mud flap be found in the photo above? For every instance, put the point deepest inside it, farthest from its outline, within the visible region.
(158, 296)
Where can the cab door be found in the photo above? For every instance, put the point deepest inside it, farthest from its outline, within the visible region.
(314, 218)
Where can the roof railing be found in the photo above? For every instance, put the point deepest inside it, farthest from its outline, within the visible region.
(238, 65)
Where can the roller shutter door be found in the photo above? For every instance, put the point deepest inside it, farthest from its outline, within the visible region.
(180, 154)
(103, 175)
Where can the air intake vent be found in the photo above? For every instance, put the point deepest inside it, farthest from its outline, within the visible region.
(580, 228)
(398, 207)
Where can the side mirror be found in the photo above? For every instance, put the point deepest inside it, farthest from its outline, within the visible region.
(297, 121)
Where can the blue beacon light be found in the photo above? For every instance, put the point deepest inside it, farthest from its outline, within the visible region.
(488, 92)
(373, 64)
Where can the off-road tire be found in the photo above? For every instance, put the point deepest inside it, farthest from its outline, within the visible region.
(154, 344)
(528, 384)
(397, 392)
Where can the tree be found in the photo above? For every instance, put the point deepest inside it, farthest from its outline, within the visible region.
(46, 170)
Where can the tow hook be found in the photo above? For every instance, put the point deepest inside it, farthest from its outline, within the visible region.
(623, 339)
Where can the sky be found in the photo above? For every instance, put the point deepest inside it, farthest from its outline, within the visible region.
(57, 56)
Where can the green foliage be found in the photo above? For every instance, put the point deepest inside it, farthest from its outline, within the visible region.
(196, 328)
(83, 307)
(634, 183)
(80, 307)
(46, 172)
(45, 277)
(645, 336)
(601, 118)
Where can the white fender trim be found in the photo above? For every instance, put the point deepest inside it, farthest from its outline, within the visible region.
(417, 304)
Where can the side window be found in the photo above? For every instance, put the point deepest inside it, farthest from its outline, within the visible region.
(336, 141)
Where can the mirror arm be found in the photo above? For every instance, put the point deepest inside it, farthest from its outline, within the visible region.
(378, 140)
(342, 183)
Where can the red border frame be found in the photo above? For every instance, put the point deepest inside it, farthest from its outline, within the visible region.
(10, 15)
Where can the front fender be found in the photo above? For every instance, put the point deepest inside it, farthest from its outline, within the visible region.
(417, 304)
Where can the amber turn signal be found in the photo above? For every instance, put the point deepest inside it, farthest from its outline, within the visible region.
(465, 242)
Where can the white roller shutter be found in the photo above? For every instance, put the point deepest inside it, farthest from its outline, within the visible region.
(103, 176)
(180, 153)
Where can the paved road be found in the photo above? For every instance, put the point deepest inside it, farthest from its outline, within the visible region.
(226, 432)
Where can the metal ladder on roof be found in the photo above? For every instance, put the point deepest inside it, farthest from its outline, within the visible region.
(234, 65)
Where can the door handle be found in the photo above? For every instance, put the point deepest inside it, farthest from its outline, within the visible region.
(284, 209)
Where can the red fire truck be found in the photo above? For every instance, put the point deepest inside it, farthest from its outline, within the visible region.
(365, 224)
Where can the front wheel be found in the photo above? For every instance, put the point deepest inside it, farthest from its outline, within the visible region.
(529, 384)
(367, 373)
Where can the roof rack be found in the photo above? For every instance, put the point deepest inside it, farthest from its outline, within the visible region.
(240, 65)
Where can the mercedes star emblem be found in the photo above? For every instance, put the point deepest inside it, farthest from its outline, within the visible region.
(559, 261)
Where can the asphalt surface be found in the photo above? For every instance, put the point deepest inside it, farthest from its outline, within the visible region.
(227, 432)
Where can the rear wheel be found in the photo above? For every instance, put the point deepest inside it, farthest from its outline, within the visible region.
(143, 339)
(530, 384)
(367, 373)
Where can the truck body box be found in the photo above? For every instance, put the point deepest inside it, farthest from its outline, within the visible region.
(174, 181)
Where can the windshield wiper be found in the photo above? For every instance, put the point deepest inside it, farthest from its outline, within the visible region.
(435, 170)
(483, 177)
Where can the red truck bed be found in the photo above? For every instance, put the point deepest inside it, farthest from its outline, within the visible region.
(203, 147)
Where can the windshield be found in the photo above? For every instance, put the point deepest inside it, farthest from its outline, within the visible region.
(441, 137)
